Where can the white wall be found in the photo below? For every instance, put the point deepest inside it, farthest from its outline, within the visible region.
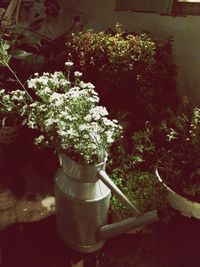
(101, 14)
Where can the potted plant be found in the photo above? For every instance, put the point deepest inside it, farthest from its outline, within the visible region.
(173, 149)
(65, 114)
(178, 165)
(11, 120)
(11, 101)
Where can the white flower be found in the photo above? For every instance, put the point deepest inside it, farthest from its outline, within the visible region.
(48, 122)
(88, 118)
(108, 122)
(109, 136)
(73, 93)
(69, 64)
(98, 112)
(31, 83)
(57, 99)
(77, 74)
(39, 139)
(86, 85)
(94, 99)
(31, 123)
(83, 127)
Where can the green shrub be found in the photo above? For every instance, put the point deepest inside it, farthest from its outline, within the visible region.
(132, 73)
(142, 187)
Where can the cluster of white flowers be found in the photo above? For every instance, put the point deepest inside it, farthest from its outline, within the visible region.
(13, 101)
(69, 118)
(47, 83)
(66, 113)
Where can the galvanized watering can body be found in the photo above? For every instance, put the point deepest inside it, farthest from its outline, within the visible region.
(82, 196)
(82, 203)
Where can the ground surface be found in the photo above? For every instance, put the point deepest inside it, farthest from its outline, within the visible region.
(24, 182)
(175, 244)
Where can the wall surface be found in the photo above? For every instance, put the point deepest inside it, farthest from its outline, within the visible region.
(101, 15)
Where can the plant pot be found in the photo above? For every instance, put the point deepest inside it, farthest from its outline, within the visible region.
(183, 205)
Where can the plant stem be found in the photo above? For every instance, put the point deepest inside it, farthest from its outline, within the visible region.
(17, 12)
(10, 69)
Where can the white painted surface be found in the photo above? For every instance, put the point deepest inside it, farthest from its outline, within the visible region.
(183, 205)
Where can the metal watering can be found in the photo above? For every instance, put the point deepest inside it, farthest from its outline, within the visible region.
(82, 195)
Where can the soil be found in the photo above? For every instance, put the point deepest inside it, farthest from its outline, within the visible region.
(174, 244)
(182, 184)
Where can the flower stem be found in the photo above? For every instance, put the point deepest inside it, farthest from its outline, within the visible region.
(10, 69)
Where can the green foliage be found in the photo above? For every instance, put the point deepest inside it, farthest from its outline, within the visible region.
(10, 101)
(132, 73)
(29, 50)
(4, 56)
(173, 146)
(180, 162)
(142, 188)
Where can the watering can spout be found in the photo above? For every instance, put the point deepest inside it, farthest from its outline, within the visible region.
(114, 229)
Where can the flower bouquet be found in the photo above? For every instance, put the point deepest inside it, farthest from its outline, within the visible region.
(68, 116)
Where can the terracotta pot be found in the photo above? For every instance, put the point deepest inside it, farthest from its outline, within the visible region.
(183, 205)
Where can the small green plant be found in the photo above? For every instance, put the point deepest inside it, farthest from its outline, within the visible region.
(11, 101)
(142, 188)
(4, 56)
(12, 107)
(180, 161)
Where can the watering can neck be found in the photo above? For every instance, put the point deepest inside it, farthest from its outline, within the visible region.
(81, 173)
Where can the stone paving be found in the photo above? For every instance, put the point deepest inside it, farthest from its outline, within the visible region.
(36, 202)
(14, 210)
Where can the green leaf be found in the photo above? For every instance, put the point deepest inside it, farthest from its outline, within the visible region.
(34, 62)
(30, 39)
(20, 54)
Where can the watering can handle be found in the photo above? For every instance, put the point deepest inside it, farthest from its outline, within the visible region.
(115, 190)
